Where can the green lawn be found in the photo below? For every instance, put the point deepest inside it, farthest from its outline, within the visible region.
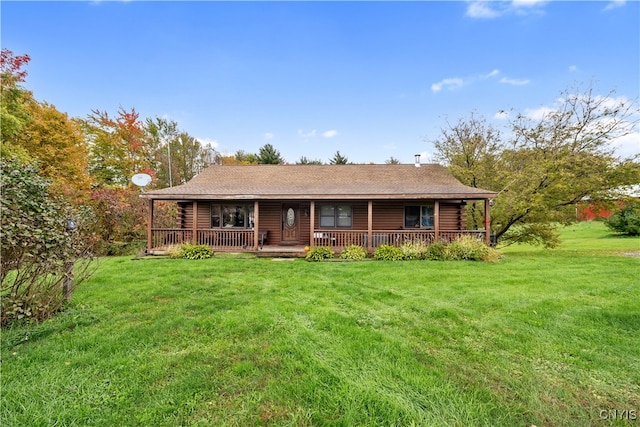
(545, 338)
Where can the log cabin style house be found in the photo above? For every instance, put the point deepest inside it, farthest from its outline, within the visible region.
(283, 208)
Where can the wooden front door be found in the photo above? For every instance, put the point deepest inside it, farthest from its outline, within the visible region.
(290, 224)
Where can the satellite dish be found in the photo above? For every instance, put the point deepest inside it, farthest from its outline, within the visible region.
(141, 179)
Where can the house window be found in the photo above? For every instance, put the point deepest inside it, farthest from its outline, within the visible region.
(340, 216)
(418, 216)
(238, 216)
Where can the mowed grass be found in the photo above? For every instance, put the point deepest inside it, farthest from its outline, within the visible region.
(545, 338)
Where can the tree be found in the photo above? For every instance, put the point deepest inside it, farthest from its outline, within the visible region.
(471, 149)
(305, 161)
(161, 132)
(119, 148)
(268, 155)
(392, 161)
(240, 157)
(58, 144)
(626, 220)
(548, 165)
(13, 99)
(338, 159)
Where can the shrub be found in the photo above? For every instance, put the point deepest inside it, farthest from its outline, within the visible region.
(471, 249)
(388, 253)
(191, 251)
(413, 251)
(42, 258)
(319, 253)
(436, 251)
(626, 221)
(355, 252)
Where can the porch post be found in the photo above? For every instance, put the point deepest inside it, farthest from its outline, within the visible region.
(150, 227)
(369, 225)
(195, 222)
(256, 225)
(312, 219)
(436, 220)
(487, 221)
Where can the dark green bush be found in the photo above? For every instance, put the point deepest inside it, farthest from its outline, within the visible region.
(319, 253)
(355, 252)
(191, 251)
(388, 253)
(626, 221)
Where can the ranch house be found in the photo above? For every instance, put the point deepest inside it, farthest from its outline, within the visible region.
(283, 208)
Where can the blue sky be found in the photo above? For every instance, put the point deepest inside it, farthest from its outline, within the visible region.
(373, 80)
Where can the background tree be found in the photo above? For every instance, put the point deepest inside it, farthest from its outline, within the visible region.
(240, 157)
(161, 132)
(57, 142)
(471, 149)
(268, 155)
(119, 147)
(548, 165)
(13, 100)
(392, 161)
(305, 161)
(338, 159)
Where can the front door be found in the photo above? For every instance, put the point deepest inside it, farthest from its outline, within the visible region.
(290, 224)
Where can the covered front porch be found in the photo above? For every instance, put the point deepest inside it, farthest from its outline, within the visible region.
(285, 227)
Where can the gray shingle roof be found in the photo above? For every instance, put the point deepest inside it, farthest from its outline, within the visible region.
(322, 182)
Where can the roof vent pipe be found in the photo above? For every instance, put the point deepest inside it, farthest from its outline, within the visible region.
(417, 160)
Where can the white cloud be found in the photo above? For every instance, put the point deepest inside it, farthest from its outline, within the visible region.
(501, 115)
(311, 134)
(515, 82)
(614, 4)
(573, 68)
(450, 84)
(528, 3)
(207, 141)
(538, 113)
(269, 135)
(425, 157)
(330, 133)
(482, 9)
(628, 145)
(492, 74)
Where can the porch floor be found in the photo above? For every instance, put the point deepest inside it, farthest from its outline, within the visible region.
(269, 251)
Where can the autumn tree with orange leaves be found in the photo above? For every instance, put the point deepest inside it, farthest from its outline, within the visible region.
(118, 147)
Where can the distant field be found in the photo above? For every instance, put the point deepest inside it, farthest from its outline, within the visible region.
(545, 338)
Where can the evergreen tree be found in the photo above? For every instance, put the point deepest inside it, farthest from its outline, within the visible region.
(339, 159)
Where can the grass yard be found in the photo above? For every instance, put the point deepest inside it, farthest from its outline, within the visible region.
(545, 338)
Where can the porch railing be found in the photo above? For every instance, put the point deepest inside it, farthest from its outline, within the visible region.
(389, 237)
(230, 239)
(226, 239)
(164, 238)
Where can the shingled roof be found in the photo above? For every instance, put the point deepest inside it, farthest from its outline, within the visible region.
(293, 182)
